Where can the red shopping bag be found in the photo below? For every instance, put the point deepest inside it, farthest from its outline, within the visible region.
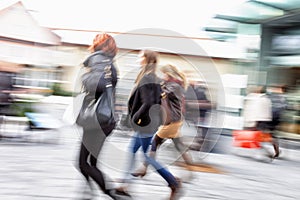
(265, 137)
(247, 138)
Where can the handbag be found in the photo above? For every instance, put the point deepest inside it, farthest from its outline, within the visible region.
(99, 113)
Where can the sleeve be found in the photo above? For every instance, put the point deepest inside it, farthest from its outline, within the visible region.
(201, 94)
(103, 81)
(100, 87)
(170, 91)
(147, 97)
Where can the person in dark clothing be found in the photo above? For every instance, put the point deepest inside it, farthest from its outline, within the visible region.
(103, 50)
(6, 87)
(143, 109)
(173, 87)
(197, 107)
(260, 114)
(279, 104)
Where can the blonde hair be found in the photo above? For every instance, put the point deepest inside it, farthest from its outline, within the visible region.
(151, 58)
(173, 72)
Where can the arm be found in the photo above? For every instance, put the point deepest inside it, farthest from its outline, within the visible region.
(147, 99)
(196, 104)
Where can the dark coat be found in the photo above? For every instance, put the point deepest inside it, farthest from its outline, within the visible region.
(94, 83)
(196, 94)
(144, 105)
(175, 96)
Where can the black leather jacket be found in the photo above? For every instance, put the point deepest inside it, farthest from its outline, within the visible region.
(93, 81)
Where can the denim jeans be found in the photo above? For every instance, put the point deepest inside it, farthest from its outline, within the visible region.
(159, 168)
(139, 140)
(144, 140)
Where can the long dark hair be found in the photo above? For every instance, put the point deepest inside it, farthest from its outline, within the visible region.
(151, 58)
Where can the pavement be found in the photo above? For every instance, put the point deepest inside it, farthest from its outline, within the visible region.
(42, 165)
(34, 168)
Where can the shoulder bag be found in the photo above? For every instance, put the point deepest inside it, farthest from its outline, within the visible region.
(99, 113)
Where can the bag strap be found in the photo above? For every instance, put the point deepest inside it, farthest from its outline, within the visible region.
(108, 84)
(108, 75)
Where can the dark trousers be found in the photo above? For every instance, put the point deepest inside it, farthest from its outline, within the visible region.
(88, 168)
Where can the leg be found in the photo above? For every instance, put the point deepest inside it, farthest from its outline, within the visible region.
(183, 150)
(134, 146)
(83, 165)
(156, 142)
(275, 143)
(271, 126)
(151, 161)
(145, 142)
(173, 182)
(275, 146)
(97, 174)
(90, 170)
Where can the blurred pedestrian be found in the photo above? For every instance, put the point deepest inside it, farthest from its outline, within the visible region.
(103, 50)
(6, 87)
(258, 114)
(276, 93)
(257, 107)
(197, 108)
(173, 88)
(143, 109)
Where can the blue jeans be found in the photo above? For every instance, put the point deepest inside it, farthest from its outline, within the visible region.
(163, 172)
(144, 140)
(139, 140)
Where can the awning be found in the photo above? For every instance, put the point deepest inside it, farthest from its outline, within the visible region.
(225, 23)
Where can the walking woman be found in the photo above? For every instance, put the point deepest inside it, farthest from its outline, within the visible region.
(143, 108)
(173, 88)
(99, 70)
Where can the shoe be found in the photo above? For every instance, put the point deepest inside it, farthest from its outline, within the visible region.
(118, 194)
(139, 173)
(122, 192)
(175, 190)
(277, 154)
(87, 193)
(112, 193)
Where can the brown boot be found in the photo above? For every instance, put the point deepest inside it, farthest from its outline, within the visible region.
(175, 190)
(276, 148)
